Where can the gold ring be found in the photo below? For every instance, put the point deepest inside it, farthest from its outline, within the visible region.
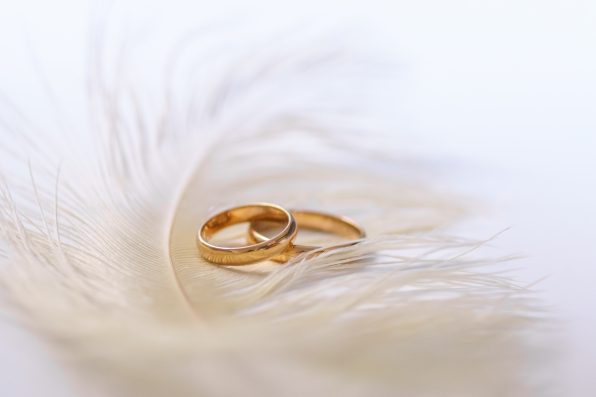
(255, 252)
(313, 220)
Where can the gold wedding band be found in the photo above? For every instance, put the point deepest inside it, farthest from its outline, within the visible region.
(312, 220)
(254, 252)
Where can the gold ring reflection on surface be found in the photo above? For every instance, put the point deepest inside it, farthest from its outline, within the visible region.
(311, 220)
(255, 252)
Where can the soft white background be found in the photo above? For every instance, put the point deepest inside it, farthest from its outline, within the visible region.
(499, 95)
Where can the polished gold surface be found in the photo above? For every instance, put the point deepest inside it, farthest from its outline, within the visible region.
(256, 251)
(311, 220)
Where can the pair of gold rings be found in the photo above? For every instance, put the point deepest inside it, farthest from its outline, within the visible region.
(279, 247)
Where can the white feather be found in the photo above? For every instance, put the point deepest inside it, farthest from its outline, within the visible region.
(98, 254)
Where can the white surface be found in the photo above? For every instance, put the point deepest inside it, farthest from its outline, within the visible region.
(501, 92)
